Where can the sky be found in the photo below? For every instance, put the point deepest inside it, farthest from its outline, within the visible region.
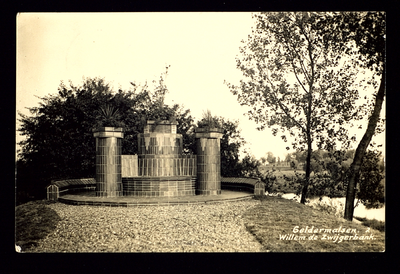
(199, 47)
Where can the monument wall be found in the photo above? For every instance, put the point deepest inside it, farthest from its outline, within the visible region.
(162, 170)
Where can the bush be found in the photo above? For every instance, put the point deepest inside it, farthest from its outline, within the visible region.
(329, 206)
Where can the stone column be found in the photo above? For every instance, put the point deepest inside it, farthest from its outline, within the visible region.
(108, 161)
(208, 161)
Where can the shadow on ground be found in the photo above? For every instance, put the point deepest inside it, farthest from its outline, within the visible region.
(33, 221)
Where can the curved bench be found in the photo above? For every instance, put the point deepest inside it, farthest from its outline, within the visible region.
(252, 185)
(62, 187)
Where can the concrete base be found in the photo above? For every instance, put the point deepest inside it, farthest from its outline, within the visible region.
(89, 198)
(208, 192)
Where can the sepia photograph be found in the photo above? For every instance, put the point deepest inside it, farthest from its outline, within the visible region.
(204, 132)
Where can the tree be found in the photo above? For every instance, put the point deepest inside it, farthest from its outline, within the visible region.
(294, 163)
(263, 160)
(59, 140)
(250, 167)
(288, 157)
(270, 158)
(315, 107)
(367, 30)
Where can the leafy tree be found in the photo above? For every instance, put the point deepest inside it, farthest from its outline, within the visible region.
(231, 143)
(367, 30)
(270, 158)
(318, 103)
(250, 167)
(263, 160)
(288, 157)
(294, 163)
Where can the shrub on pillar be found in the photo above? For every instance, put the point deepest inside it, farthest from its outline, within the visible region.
(208, 161)
(108, 161)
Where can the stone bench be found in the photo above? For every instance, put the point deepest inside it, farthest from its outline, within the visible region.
(252, 185)
(62, 187)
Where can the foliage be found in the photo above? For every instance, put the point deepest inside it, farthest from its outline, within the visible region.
(263, 160)
(329, 206)
(269, 178)
(371, 183)
(271, 158)
(209, 121)
(294, 163)
(328, 174)
(250, 167)
(367, 30)
(108, 116)
(315, 107)
(332, 177)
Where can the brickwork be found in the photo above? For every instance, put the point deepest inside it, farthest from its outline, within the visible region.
(259, 189)
(208, 162)
(108, 162)
(159, 186)
(185, 165)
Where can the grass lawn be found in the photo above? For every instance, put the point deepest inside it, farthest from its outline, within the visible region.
(276, 223)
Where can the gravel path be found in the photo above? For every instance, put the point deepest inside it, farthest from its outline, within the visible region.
(178, 228)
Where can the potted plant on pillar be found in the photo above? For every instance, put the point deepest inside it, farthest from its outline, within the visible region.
(108, 132)
(209, 123)
(108, 116)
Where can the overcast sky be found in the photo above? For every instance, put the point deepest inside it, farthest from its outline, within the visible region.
(200, 49)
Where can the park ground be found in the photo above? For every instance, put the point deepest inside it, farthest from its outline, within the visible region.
(270, 224)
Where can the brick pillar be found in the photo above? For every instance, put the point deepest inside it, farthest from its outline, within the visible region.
(208, 161)
(108, 161)
(259, 189)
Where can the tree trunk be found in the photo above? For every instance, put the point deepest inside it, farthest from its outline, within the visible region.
(360, 151)
(308, 171)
